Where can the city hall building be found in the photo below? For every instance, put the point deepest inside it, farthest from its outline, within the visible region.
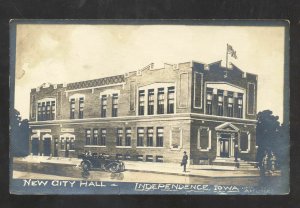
(150, 114)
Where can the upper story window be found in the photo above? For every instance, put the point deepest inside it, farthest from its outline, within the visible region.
(220, 102)
(151, 102)
(160, 101)
(209, 95)
(81, 106)
(160, 137)
(52, 114)
(230, 104)
(119, 137)
(46, 110)
(72, 108)
(115, 101)
(240, 105)
(103, 105)
(171, 97)
(141, 102)
(149, 137)
(140, 137)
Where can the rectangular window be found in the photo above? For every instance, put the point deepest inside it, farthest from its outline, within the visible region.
(103, 105)
(43, 111)
(151, 102)
(160, 137)
(87, 136)
(48, 110)
(52, 117)
(209, 95)
(203, 138)
(119, 137)
(62, 144)
(128, 137)
(103, 137)
(240, 105)
(230, 104)
(81, 106)
(220, 103)
(160, 101)
(72, 144)
(33, 107)
(198, 90)
(141, 102)
(39, 111)
(140, 137)
(251, 98)
(115, 100)
(171, 96)
(149, 137)
(95, 136)
(72, 108)
(244, 141)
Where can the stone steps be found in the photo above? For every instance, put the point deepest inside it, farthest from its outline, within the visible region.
(241, 164)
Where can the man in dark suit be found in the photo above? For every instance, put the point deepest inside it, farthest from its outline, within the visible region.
(184, 161)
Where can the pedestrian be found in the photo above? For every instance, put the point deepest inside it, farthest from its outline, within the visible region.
(273, 161)
(265, 163)
(184, 161)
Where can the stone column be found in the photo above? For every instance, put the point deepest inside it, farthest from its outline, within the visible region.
(218, 144)
(30, 146)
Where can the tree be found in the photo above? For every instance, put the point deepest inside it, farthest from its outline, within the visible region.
(19, 132)
(271, 136)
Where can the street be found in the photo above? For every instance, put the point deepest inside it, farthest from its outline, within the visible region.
(131, 176)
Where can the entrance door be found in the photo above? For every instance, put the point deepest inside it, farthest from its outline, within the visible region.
(47, 146)
(35, 146)
(225, 145)
(224, 148)
(67, 147)
(55, 147)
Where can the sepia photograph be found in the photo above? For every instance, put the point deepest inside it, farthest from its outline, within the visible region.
(149, 107)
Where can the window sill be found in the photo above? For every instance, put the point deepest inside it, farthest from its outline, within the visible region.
(247, 151)
(151, 147)
(123, 147)
(93, 146)
(67, 150)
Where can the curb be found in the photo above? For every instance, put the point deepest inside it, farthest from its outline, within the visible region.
(188, 174)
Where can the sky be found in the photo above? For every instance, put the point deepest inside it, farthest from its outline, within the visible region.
(66, 53)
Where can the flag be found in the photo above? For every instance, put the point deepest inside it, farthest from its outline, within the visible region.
(231, 51)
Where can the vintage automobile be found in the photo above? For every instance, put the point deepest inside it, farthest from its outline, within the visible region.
(101, 162)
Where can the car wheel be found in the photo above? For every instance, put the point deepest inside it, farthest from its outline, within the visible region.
(85, 166)
(114, 168)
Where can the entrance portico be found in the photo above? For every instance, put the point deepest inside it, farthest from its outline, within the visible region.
(227, 138)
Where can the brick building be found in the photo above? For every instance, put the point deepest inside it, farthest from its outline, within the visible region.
(149, 114)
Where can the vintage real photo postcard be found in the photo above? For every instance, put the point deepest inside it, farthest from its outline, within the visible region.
(149, 107)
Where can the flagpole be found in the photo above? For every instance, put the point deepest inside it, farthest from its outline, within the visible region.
(225, 75)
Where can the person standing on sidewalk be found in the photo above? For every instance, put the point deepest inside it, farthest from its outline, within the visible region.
(184, 161)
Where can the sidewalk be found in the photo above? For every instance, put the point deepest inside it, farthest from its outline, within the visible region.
(160, 168)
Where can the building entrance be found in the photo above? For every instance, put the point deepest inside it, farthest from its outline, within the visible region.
(47, 146)
(225, 141)
(35, 146)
